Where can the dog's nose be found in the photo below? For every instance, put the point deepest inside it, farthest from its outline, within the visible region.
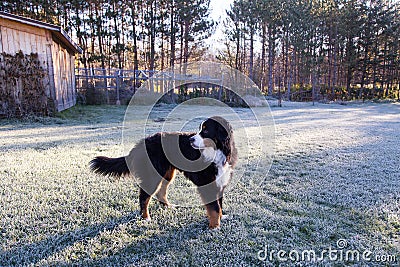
(191, 139)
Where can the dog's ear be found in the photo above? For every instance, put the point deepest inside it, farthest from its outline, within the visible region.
(224, 133)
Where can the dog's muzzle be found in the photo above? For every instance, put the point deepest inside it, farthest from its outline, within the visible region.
(196, 141)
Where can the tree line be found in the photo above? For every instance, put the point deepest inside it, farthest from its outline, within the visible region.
(347, 49)
(341, 49)
(127, 34)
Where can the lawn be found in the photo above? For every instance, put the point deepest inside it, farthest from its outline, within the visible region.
(332, 183)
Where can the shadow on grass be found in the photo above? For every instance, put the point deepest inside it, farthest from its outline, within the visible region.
(60, 141)
(35, 252)
(171, 246)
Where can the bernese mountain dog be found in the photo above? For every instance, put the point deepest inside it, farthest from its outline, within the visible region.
(206, 158)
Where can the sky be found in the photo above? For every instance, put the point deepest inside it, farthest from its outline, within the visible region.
(218, 7)
(218, 14)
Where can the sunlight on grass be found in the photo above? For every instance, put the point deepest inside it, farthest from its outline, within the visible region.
(334, 175)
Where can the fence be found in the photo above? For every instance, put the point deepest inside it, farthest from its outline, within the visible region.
(115, 86)
(108, 86)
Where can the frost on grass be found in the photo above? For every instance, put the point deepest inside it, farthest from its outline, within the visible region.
(335, 176)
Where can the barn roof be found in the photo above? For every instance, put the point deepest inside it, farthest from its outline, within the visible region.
(57, 31)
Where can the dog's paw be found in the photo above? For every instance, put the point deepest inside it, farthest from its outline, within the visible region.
(214, 228)
(146, 219)
(169, 206)
(214, 224)
(225, 217)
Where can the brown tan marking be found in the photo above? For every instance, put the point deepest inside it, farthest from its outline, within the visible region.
(214, 217)
(162, 194)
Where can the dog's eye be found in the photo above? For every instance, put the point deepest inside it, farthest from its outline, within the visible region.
(205, 131)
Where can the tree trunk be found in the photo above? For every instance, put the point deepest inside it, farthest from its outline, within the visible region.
(186, 42)
(349, 59)
(135, 49)
(172, 35)
(117, 37)
(335, 63)
(271, 54)
(251, 56)
(286, 62)
(290, 81)
(152, 35)
(263, 55)
(364, 71)
(237, 56)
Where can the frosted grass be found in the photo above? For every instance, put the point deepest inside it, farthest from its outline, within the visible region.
(335, 176)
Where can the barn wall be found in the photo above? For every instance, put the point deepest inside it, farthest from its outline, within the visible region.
(54, 58)
(33, 43)
(17, 36)
(64, 77)
(21, 86)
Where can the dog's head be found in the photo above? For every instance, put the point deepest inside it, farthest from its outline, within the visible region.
(215, 132)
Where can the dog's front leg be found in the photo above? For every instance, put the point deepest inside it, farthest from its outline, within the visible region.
(214, 213)
(220, 198)
(210, 195)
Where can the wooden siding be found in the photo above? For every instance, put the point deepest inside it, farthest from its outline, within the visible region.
(64, 78)
(54, 58)
(17, 36)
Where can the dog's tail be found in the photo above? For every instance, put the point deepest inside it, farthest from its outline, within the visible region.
(109, 166)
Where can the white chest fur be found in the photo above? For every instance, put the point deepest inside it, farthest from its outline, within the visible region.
(209, 154)
(224, 168)
(223, 176)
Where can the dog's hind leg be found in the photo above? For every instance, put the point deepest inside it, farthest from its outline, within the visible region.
(162, 194)
(144, 199)
(147, 190)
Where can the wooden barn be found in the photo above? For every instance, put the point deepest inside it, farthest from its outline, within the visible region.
(36, 67)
